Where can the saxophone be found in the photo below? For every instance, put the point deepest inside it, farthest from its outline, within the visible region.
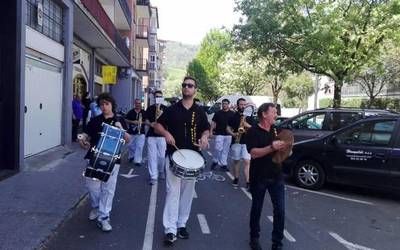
(139, 127)
(241, 129)
(158, 112)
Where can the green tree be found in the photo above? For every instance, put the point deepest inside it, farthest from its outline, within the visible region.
(205, 90)
(332, 38)
(213, 49)
(298, 88)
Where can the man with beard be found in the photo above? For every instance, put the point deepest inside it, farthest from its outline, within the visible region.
(185, 126)
(238, 124)
(136, 128)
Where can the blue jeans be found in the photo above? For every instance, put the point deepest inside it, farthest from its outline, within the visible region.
(276, 190)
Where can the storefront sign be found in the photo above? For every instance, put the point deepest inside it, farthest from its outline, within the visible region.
(109, 74)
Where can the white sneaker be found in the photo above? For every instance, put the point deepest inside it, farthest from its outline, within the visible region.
(93, 214)
(104, 225)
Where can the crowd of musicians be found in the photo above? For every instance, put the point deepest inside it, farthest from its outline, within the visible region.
(184, 125)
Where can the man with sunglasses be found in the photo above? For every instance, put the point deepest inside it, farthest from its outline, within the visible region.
(185, 126)
(222, 138)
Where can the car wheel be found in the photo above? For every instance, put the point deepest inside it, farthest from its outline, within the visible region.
(309, 174)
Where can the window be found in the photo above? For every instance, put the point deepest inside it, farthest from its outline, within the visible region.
(313, 121)
(369, 133)
(98, 68)
(341, 119)
(52, 25)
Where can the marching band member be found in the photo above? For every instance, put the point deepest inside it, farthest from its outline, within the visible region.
(156, 144)
(238, 124)
(102, 193)
(222, 138)
(184, 125)
(136, 128)
(266, 175)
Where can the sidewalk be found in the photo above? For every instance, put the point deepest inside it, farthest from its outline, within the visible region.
(35, 202)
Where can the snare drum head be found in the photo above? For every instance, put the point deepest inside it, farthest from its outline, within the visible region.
(188, 158)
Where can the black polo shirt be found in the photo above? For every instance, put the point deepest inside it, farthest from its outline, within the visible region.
(134, 116)
(221, 119)
(94, 129)
(234, 122)
(262, 168)
(178, 121)
(151, 115)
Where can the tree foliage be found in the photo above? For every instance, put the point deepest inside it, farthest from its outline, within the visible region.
(196, 70)
(298, 87)
(331, 38)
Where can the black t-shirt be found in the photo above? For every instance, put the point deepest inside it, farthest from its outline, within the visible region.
(94, 129)
(263, 167)
(221, 119)
(151, 115)
(180, 123)
(234, 122)
(134, 116)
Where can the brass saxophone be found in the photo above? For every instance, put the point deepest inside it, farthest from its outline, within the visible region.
(139, 127)
(241, 129)
(158, 112)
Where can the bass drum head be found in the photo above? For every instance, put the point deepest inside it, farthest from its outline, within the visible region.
(187, 158)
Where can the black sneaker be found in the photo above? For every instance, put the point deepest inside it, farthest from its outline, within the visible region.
(235, 182)
(138, 164)
(225, 168)
(248, 186)
(255, 244)
(212, 167)
(169, 239)
(276, 246)
(182, 233)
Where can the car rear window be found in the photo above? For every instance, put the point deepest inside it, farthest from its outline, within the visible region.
(341, 119)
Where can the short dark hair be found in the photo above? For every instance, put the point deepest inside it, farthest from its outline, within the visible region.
(190, 78)
(107, 97)
(226, 100)
(158, 92)
(240, 100)
(263, 108)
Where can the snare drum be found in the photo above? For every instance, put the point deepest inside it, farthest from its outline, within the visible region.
(187, 164)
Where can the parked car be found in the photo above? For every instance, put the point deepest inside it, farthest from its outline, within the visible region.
(320, 122)
(365, 153)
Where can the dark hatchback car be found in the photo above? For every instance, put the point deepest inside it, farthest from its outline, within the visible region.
(321, 122)
(366, 153)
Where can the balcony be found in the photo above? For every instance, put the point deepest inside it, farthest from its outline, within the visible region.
(152, 65)
(143, 2)
(142, 31)
(141, 64)
(87, 31)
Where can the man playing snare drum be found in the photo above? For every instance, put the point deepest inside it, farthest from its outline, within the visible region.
(102, 193)
(185, 126)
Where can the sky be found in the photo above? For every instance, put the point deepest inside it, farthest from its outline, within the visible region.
(188, 21)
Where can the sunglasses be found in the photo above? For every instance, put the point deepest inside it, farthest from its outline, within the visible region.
(188, 85)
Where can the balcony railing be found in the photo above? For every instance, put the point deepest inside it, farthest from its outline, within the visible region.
(97, 11)
(152, 65)
(143, 2)
(126, 10)
(141, 64)
(142, 31)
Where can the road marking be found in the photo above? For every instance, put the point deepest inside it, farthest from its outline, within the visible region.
(332, 195)
(195, 194)
(348, 245)
(246, 193)
(209, 153)
(129, 174)
(203, 224)
(230, 175)
(148, 235)
(288, 236)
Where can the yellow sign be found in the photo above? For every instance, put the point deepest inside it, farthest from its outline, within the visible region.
(109, 74)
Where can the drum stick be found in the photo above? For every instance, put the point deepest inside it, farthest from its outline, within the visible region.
(177, 149)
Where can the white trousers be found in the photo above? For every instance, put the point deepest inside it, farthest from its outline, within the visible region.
(156, 147)
(136, 148)
(102, 193)
(178, 201)
(221, 149)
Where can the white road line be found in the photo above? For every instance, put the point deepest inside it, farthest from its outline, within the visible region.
(203, 224)
(246, 193)
(348, 245)
(332, 195)
(148, 235)
(229, 175)
(195, 195)
(209, 153)
(288, 236)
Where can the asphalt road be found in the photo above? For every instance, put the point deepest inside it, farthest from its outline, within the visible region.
(336, 218)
